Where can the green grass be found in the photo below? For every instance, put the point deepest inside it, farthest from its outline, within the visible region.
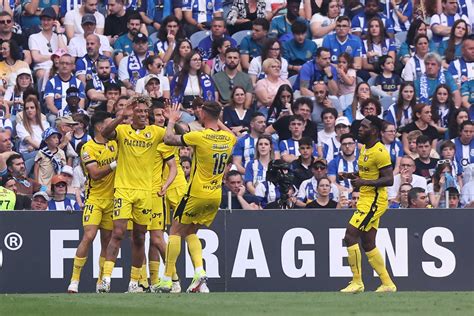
(242, 304)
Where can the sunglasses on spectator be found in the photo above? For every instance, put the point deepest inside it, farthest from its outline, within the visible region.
(443, 161)
(5, 21)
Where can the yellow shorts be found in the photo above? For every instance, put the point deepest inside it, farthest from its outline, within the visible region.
(173, 196)
(98, 212)
(158, 213)
(365, 221)
(194, 210)
(133, 204)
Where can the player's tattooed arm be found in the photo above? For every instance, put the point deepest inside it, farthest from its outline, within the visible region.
(385, 179)
(170, 136)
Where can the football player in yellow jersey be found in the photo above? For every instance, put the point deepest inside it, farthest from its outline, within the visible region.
(212, 151)
(137, 147)
(375, 175)
(98, 158)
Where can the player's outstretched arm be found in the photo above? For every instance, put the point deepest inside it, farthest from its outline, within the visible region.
(96, 173)
(170, 137)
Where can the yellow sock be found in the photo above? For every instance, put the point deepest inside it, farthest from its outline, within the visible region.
(101, 269)
(108, 268)
(172, 253)
(77, 268)
(154, 267)
(195, 250)
(135, 274)
(355, 262)
(143, 276)
(376, 261)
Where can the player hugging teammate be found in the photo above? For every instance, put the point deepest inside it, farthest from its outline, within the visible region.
(124, 186)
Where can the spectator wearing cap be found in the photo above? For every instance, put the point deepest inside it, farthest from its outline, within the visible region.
(231, 77)
(131, 67)
(39, 202)
(80, 45)
(331, 148)
(73, 19)
(7, 34)
(50, 158)
(30, 124)
(308, 189)
(11, 63)
(32, 12)
(218, 30)
(65, 126)
(45, 43)
(123, 46)
(55, 91)
(152, 86)
(98, 80)
(17, 170)
(60, 201)
(72, 100)
(154, 66)
(13, 97)
(73, 193)
(80, 130)
(199, 14)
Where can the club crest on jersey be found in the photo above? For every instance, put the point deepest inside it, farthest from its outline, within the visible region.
(112, 148)
(148, 135)
(366, 158)
(85, 156)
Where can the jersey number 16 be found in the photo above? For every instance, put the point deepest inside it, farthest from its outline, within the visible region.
(220, 161)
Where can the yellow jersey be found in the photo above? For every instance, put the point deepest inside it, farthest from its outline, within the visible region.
(102, 154)
(370, 162)
(180, 179)
(137, 151)
(212, 151)
(163, 154)
(7, 199)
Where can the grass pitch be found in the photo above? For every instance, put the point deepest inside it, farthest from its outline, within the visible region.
(242, 304)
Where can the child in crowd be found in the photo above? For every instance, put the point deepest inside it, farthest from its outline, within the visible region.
(387, 83)
(326, 135)
(347, 79)
(50, 158)
(80, 131)
(448, 152)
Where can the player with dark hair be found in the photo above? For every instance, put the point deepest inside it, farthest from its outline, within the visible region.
(212, 151)
(375, 174)
(98, 157)
(137, 147)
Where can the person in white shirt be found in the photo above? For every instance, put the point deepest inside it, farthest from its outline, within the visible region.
(77, 45)
(154, 65)
(407, 168)
(73, 19)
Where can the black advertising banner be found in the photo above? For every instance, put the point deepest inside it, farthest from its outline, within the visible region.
(254, 251)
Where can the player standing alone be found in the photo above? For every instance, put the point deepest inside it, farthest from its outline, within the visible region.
(212, 150)
(375, 174)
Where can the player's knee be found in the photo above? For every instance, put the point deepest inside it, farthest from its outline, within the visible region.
(368, 245)
(349, 240)
(138, 238)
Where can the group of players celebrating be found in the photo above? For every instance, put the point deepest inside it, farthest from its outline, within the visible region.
(134, 181)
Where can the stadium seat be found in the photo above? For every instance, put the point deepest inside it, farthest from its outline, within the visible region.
(154, 38)
(387, 102)
(197, 37)
(400, 38)
(371, 81)
(239, 36)
(292, 80)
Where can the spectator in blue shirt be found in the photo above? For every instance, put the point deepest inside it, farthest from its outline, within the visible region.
(318, 69)
(360, 23)
(299, 49)
(218, 30)
(343, 42)
(251, 46)
(59, 201)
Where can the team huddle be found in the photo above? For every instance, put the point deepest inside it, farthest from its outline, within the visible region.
(125, 189)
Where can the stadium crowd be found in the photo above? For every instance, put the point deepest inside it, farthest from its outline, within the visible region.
(294, 78)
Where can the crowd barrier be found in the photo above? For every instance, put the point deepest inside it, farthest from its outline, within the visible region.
(293, 250)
